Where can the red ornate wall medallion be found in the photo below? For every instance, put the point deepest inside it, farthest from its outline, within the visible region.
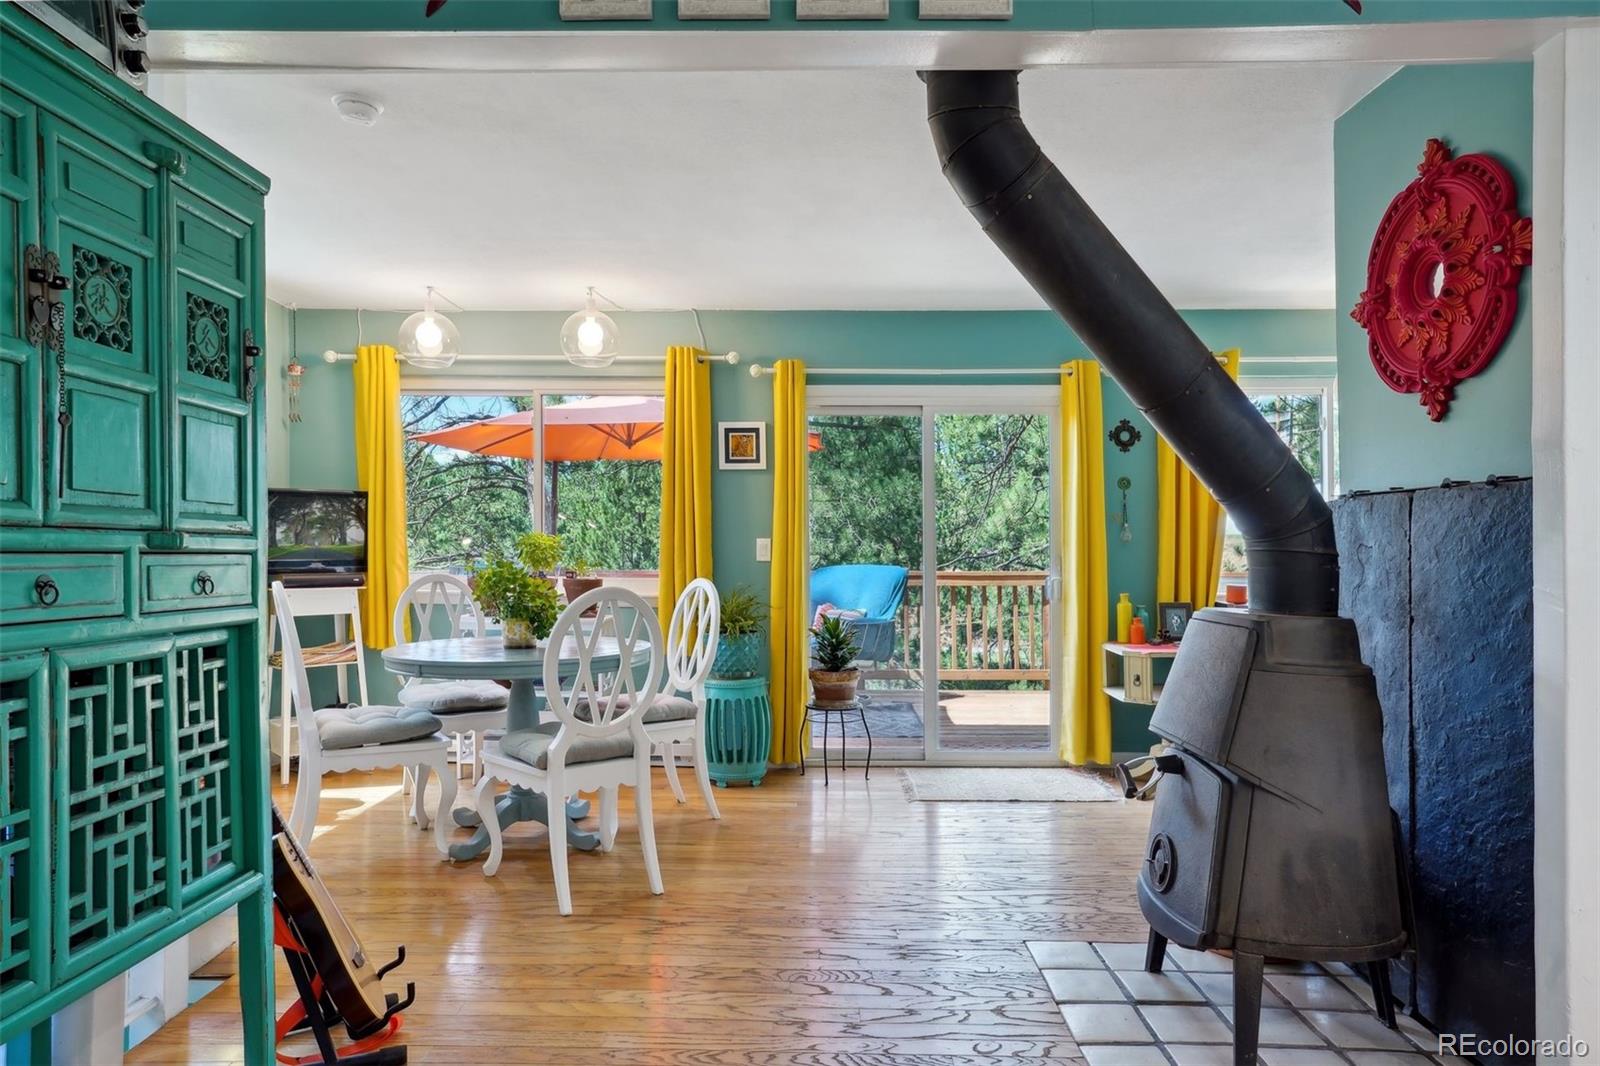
(1442, 276)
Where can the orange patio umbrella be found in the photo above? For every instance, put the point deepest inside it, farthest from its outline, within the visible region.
(589, 428)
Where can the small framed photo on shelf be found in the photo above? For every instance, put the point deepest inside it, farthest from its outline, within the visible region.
(1172, 619)
(743, 445)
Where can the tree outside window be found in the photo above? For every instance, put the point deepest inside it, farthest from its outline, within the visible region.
(1300, 418)
(462, 507)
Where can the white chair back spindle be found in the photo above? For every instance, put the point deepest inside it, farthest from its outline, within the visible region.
(294, 667)
(614, 702)
(692, 636)
(433, 596)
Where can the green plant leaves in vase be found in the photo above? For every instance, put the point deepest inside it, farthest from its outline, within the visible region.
(509, 592)
(743, 613)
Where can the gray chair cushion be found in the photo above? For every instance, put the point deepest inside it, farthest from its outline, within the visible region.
(664, 709)
(443, 697)
(356, 727)
(532, 746)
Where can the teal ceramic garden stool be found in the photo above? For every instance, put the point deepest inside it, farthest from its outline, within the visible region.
(738, 730)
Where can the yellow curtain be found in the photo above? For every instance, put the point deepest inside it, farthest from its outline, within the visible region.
(1085, 606)
(685, 476)
(1189, 526)
(380, 471)
(791, 596)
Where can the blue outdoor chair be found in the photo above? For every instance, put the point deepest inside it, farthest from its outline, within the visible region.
(871, 588)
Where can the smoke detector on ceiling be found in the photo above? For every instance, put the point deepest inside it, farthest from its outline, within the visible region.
(356, 109)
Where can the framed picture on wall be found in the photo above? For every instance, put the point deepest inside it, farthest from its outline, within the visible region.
(1172, 619)
(743, 445)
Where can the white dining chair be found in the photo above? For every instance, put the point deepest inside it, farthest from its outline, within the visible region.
(336, 739)
(602, 749)
(343, 655)
(677, 716)
(441, 606)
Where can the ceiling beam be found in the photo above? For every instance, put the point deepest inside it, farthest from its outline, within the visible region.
(683, 50)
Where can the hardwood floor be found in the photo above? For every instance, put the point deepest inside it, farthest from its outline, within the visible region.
(844, 926)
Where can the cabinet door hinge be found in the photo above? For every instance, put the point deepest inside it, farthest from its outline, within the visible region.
(166, 157)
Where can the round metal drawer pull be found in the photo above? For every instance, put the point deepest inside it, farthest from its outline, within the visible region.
(203, 582)
(46, 590)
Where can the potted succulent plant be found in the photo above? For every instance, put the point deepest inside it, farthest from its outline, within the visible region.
(577, 577)
(833, 654)
(739, 642)
(524, 602)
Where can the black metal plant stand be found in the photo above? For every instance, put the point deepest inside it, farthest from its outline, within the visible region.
(827, 711)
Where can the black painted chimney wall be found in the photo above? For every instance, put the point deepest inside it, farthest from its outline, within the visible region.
(1440, 585)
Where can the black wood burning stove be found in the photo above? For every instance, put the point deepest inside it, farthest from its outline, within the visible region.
(1271, 834)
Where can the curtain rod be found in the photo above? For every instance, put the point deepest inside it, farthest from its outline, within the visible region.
(731, 358)
(759, 371)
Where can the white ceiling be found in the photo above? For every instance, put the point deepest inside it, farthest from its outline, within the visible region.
(777, 189)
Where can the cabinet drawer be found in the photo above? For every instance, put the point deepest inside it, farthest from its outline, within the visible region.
(48, 586)
(195, 582)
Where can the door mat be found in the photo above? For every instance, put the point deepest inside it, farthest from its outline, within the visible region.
(944, 784)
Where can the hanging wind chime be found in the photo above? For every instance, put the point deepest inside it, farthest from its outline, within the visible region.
(1125, 534)
(295, 372)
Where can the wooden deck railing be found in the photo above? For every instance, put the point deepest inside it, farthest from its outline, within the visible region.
(992, 625)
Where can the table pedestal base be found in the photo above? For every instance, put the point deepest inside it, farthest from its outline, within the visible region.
(521, 805)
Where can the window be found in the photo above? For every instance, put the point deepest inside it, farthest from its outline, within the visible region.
(1302, 413)
(484, 468)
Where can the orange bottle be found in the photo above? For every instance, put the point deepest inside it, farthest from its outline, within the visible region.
(1136, 630)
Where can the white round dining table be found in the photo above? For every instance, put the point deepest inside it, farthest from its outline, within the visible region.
(487, 658)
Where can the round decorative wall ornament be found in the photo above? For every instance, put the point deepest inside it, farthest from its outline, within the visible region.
(1442, 275)
(1125, 435)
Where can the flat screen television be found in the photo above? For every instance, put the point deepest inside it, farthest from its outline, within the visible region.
(316, 537)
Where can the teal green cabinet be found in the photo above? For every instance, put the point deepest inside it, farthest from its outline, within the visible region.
(133, 784)
(20, 428)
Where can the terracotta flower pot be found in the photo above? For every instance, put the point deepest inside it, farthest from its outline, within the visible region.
(577, 586)
(835, 686)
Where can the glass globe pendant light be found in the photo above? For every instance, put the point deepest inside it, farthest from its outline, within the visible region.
(429, 339)
(589, 337)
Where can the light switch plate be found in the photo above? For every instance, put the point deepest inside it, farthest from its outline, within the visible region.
(763, 549)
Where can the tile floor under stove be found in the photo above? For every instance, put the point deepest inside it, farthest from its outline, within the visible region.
(1311, 1014)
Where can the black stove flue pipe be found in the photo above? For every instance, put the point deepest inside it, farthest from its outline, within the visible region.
(1047, 231)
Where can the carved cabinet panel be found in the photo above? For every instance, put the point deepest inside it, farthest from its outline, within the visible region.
(101, 218)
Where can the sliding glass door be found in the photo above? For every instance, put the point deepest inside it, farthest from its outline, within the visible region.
(866, 500)
(932, 530)
(993, 514)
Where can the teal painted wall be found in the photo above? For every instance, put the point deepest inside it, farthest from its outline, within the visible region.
(1034, 15)
(321, 455)
(1385, 438)
(280, 329)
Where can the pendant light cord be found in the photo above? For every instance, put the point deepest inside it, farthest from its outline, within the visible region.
(700, 329)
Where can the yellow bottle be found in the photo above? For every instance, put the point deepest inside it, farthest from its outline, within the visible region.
(1124, 617)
